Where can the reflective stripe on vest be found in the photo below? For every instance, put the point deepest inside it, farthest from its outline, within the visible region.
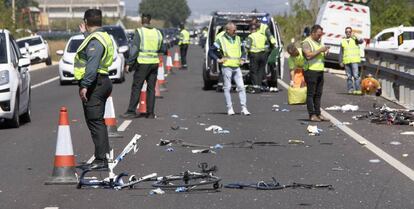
(184, 37)
(106, 60)
(317, 63)
(351, 52)
(150, 44)
(231, 51)
(258, 42)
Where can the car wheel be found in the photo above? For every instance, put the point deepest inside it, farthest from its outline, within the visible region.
(15, 121)
(25, 118)
(208, 84)
(49, 61)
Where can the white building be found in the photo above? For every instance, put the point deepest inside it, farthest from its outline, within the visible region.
(76, 8)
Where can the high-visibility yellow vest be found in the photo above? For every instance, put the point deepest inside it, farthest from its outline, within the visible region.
(262, 30)
(184, 37)
(317, 63)
(219, 35)
(351, 52)
(151, 40)
(231, 51)
(258, 42)
(106, 60)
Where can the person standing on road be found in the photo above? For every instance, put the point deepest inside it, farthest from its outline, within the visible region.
(314, 53)
(146, 46)
(256, 46)
(92, 60)
(264, 29)
(230, 46)
(184, 42)
(350, 57)
(296, 62)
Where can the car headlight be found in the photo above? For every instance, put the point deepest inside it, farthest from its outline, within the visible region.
(67, 62)
(4, 77)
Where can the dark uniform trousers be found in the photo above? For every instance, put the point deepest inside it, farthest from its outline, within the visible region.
(257, 67)
(183, 53)
(143, 72)
(314, 82)
(94, 110)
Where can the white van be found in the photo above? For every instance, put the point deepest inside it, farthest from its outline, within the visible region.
(335, 16)
(388, 39)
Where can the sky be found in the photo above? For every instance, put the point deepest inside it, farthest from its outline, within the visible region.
(205, 7)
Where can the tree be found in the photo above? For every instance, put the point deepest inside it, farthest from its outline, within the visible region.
(390, 13)
(172, 12)
(5, 14)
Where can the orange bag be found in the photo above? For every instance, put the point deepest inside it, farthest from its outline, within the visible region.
(298, 78)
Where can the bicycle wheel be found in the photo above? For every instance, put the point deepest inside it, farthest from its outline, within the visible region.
(188, 179)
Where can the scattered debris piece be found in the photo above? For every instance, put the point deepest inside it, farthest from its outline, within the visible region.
(170, 149)
(395, 143)
(314, 130)
(296, 141)
(202, 124)
(157, 191)
(175, 128)
(337, 169)
(174, 116)
(213, 128)
(195, 151)
(362, 142)
(405, 155)
(374, 161)
(285, 110)
(181, 189)
(407, 133)
(344, 108)
(359, 117)
(218, 146)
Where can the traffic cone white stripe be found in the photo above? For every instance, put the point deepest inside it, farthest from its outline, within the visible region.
(64, 142)
(109, 108)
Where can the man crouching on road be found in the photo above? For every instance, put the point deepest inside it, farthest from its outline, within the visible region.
(92, 60)
(230, 45)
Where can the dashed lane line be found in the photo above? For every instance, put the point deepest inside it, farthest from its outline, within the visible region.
(124, 125)
(45, 82)
(367, 144)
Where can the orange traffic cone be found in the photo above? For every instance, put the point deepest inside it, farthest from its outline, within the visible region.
(169, 63)
(142, 105)
(161, 76)
(64, 166)
(177, 63)
(157, 90)
(110, 120)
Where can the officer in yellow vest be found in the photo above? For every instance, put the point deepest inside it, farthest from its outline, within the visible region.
(314, 53)
(256, 46)
(92, 60)
(143, 56)
(296, 62)
(350, 57)
(264, 29)
(230, 45)
(184, 42)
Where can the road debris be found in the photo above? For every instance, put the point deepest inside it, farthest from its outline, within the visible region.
(296, 141)
(395, 143)
(407, 133)
(337, 169)
(157, 191)
(405, 155)
(344, 108)
(362, 142)
(170, 149)
(217, 129)
(174, 116)
(195, 151)
(314, 130)
(374, 161)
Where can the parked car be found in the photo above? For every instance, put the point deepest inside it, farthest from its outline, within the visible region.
(120, 37)
(14, 82)
(36, 48)
(211, 69)
(116, 70)
(388, 39)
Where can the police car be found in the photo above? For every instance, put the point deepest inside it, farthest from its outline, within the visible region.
(14, 82)
(116, 70)
(211, 69)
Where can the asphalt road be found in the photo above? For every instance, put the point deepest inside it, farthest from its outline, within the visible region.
(334, 157)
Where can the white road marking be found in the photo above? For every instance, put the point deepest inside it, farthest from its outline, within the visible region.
(90, 159)
(45, 82)
(51, 207)
(124, 125)
(367, 144)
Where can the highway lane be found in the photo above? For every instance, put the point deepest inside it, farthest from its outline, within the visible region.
(332, 158)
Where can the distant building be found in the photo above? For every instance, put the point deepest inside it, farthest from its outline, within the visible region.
(56, 9)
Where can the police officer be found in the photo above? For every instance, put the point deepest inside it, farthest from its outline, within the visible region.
(256, 46)
(264, 29)
(350, 57)
(147, 44)
(314, 53)
(92, 60)
(184, 41)
(230, 45)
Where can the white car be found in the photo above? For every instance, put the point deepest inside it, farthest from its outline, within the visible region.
(116, 70)
(389, 39)
(36, 48)
(14, 82)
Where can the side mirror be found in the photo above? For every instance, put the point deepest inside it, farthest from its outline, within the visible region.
(24, 62)
(59, 52)
(123, 49)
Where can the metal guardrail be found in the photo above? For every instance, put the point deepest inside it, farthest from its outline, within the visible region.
(395, 72)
